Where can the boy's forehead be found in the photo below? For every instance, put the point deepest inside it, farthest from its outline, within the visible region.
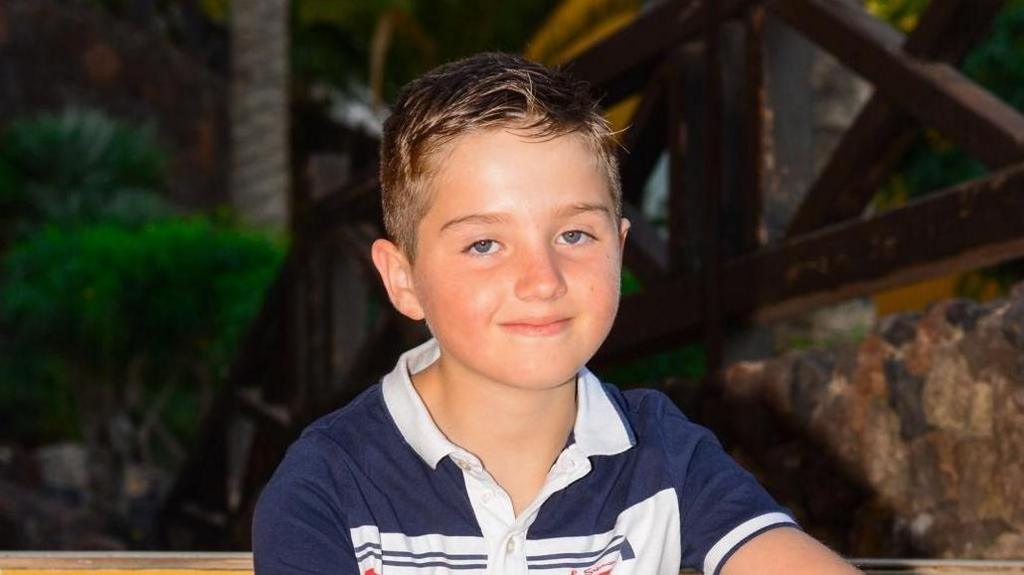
(496, 167)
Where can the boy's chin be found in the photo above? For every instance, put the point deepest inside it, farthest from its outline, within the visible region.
(539, 377)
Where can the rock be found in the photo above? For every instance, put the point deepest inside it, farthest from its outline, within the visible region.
(811, 373)
(885, 456)
(1013, 323)
(965, 313)
(899, 329)
(954, 402)
(979, 495)
(927, 481)
(905, 398)
(868, 377)
(926, 413)
(1007, 546)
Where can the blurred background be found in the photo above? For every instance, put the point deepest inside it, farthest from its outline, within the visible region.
(188, 192)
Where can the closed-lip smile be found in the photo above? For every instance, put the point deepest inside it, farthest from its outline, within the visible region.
(536, 326)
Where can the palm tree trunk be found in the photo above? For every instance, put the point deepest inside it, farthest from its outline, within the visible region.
(260, 168)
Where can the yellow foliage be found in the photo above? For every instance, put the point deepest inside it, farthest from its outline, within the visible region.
(903, 14)
(216, 10)
(917, 296)
(601, 30)
(576, 24)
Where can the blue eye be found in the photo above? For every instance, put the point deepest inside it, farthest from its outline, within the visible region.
(573, 237)
(482, 247)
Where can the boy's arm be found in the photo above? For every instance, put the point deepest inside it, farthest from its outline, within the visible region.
(785, 551)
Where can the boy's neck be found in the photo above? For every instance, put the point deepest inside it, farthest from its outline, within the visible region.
(492, 419)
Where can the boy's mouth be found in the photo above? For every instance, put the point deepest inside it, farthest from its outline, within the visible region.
(537, 327)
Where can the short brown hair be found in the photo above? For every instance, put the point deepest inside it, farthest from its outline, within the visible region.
(490, 90)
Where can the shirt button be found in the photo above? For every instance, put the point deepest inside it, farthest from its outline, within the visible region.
(488, 496)
(463, 464)
(510, 547)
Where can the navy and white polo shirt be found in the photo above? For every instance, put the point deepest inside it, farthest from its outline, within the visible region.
(375, 488)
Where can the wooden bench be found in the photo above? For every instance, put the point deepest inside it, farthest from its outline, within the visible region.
(105, 563)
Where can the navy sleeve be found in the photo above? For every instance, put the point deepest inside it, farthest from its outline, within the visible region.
(298, 525)
(721, 506)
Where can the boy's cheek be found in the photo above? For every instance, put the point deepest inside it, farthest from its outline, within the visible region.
(458, 296)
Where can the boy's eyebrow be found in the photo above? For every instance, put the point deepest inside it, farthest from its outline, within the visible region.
(498, 218)
(475, 219)
(582, 208)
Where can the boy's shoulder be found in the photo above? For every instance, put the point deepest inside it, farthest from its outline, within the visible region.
(350, 430)
(651, 411)
(663, 432)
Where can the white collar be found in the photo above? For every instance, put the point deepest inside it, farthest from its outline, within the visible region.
(600, 428)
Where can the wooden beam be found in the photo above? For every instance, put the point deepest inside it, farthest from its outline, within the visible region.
(646, 253)
(882, 134)
(680, 248)
(867, 153)
(751, 191)
(935, 94)
(251, 401)
(948, 29)
(620, 65)
(711, 198)
(645, 139)
(358, 202)
(966, 227)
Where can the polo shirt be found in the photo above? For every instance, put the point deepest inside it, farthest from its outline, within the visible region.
(375, 488)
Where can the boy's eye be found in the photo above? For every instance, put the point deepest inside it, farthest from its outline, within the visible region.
(483, 247)
(573, 237)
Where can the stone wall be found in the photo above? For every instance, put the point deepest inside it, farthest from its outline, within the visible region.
(908, 443)
(55, 55)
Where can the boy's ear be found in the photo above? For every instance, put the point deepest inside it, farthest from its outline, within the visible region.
(623, 231)
(396, 272)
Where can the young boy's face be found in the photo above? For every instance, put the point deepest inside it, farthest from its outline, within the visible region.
(517, 259)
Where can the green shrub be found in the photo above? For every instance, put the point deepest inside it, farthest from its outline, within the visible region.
(159, 305)
(170, 289)
(80, 166)
(687, 362)
(109, 302)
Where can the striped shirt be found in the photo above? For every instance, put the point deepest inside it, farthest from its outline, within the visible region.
(375, 488)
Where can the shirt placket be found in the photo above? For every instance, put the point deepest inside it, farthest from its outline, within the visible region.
(504, 533)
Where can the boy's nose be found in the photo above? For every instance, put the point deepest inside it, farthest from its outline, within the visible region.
(540, 276)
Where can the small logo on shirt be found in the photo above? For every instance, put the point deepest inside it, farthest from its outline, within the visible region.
(370, 571)
(600, 569)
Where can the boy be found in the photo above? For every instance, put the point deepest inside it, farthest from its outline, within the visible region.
(491, 448)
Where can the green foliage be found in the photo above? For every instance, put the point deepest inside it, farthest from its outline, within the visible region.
(998, 62)
(902, 14)
(629, 284)
(687, 362)
(35, 405)
(176, 292)
(103, 287)
(79, 166)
